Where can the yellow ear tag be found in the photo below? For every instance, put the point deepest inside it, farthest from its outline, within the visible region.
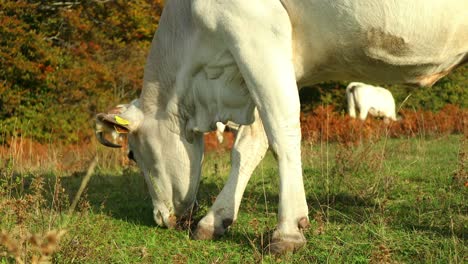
(121, 121)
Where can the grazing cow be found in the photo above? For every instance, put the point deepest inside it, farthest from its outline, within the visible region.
(374, 100)
(218, 61)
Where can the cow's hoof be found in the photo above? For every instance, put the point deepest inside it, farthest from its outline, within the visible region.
(303, 223)
(282, 244)
(203, 233)
(207, 233)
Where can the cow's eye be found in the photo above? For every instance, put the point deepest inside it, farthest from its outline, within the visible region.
(130, 155)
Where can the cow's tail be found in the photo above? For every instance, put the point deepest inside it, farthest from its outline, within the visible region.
(351, 100)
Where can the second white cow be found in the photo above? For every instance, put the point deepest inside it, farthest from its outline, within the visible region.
(369, 99)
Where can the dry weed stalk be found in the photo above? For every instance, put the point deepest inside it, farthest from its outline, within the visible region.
(460, 177)
(15, 203)
(12, 246)
(84, 183)
(40, 248)
(382, 255)
(319, 218)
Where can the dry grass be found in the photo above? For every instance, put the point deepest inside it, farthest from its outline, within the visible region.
(34, 249)
(22, 202)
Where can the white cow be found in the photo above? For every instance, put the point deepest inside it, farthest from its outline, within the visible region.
(217, 61)
(368, 99)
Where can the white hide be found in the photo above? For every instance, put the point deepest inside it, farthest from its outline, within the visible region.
(220, 128)
(368, 99)
(216, 61)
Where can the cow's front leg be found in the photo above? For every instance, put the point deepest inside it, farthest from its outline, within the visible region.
(265, 59)
(248, 150)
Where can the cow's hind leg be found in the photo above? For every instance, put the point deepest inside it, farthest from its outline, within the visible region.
(248, 150)
(265, 60)
(363, 111)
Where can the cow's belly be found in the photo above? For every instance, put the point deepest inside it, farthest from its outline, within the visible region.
(364, 40)
(218, 93)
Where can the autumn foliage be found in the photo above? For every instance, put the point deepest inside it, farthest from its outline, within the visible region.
(62, 61)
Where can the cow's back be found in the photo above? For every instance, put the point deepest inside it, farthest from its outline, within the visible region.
(416, 41)
(373, 96)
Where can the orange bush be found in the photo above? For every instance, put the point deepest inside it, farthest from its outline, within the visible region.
(212, 144)
(325, 124)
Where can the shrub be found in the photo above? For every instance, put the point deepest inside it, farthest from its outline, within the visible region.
(325, 124)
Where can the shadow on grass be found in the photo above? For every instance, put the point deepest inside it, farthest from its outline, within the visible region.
(348, 209)
(345, 208)
(124, 197)
(434, 221)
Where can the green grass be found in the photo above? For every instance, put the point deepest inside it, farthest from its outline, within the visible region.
(394, 201)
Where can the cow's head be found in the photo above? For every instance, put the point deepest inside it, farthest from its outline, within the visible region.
(171, 165)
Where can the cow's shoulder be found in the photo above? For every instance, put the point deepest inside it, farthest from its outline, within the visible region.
(215, 15)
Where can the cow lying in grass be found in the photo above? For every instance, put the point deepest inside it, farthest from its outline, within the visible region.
(368, 99)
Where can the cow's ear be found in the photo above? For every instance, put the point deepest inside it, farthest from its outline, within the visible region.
(118, 123)
(122, 119)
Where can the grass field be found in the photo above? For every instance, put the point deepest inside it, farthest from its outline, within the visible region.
(391, 201)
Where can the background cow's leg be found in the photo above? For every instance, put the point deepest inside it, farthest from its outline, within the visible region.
(363, 111)
(266, 62)
(248, 150)
(351, 104)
